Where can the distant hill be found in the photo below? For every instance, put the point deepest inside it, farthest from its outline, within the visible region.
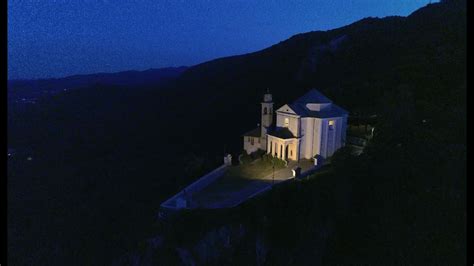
(32, 89)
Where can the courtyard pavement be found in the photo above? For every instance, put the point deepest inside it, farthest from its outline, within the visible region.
(228, 192)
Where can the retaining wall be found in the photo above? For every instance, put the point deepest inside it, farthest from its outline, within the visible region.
(196, 186)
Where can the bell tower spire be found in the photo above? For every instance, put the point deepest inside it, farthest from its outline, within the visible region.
(267, 117)
(267, 109)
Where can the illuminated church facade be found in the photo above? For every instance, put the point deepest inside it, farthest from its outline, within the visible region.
(310, 126)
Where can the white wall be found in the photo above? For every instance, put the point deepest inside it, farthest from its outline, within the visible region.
(267, 119)
(307, 133)
(314, 132)
(293, 122)
(198, 185)
(316, 148)
(304, 136)
(248, 144)
(323, 141)
(339, 133)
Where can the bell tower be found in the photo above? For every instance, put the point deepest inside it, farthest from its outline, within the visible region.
(267, 118)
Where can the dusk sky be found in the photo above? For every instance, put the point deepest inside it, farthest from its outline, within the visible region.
(57, 38)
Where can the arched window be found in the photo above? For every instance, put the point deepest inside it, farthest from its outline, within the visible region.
(287, 122)
(265, 110)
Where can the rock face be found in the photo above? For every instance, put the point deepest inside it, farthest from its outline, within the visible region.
(231, 244)
(218, 246)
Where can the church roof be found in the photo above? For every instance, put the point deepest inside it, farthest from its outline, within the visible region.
(314, 96)
(256, 132)
(330, 111)
(282, 133)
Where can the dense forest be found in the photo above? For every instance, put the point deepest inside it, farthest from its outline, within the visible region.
(104, 157)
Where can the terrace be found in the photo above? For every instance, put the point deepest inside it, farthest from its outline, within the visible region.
(236, 184)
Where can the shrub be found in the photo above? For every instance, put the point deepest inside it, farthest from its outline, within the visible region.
(257, 154)
(245, 158)
(267, 158)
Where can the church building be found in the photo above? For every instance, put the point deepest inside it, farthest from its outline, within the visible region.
(310, 126)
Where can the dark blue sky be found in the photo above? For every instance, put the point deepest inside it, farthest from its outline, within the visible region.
(56, 38)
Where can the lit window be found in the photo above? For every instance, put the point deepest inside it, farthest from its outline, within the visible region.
(287, 122)
(331, 124)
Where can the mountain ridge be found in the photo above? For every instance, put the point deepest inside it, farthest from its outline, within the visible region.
(180, 68)
(34, 89)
